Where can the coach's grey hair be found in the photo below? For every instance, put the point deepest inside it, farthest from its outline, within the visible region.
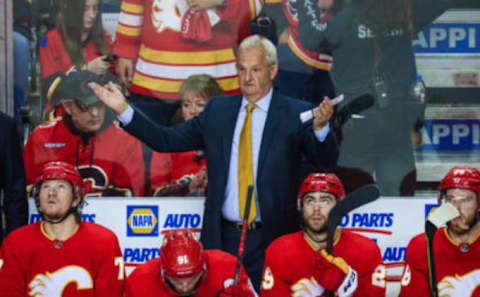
(258, 40)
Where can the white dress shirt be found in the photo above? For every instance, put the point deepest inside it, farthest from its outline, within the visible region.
(230, 208)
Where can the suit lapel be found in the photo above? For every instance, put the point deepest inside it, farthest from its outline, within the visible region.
(274, 117)
(231, 115)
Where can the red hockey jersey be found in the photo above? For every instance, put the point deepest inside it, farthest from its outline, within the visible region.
(172, 169)
(111, 161)
(318, 60)
(289, 266)
(34, 264)
(149, 31)
(54, 58)
(147, 281)
(457, 267)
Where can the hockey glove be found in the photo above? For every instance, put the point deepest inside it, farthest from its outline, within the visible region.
(241, 289)
(334, 274)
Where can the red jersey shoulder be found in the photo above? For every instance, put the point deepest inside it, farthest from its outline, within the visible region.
(52, 36)
(286, 244)
(146, 270)
(358, 241)
(219, 258)
(417, 245)
(17, 238)
(359, 251)
(46, 129)
(101, 234)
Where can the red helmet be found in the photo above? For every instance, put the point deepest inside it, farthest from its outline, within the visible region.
(467, 178)
(181, 254)
(63, 171)
(325, 182)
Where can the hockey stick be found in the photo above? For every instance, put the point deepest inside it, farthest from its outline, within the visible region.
(355, 199)
(435, 219)
(241, 245)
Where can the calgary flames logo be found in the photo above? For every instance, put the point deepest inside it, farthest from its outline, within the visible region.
(307, 288)
(459, 285)
(53, 284)
(168, 14)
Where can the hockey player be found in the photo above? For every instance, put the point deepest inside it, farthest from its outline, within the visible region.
(61, 256)
(456, 247)
(107, 158)
(185, 269)
(297, 264)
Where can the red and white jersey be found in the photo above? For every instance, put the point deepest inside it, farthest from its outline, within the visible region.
(169, 169)
(87, 264)
(457, 267)
(147, 281)
(54, 58)
(111, 162)
(289, 266)
(149, 31)
(318, 60)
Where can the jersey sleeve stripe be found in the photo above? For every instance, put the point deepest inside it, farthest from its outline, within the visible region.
(132, 8)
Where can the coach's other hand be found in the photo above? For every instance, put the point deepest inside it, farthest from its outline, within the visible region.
(323, 113)
(111, 95)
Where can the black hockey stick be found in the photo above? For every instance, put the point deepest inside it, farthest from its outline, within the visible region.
(355, 199)
(435, 219)
(241, 245)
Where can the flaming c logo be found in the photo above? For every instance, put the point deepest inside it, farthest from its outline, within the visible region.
(53, 284)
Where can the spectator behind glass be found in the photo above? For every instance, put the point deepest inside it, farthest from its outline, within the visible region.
(160, 43)
(371, 44)
(12, 178)
(79, 41)
(302, 74)
(22, 14)
(109, 160)
(185, 174)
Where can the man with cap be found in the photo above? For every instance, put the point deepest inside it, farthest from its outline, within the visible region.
(456, 250)
(185, 269)
(108, 159)
(61, 256)
(297, 264)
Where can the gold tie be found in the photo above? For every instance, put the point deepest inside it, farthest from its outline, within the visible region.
(245, 165)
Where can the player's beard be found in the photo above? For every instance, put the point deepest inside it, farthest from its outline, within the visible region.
(465, 225)
(315, 228)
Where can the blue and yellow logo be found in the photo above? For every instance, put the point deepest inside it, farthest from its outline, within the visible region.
(142, 220)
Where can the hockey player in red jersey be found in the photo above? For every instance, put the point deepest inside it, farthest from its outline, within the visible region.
(456, 247)
(61, 256)
(185, 269)
(297, 264)
(108, 158)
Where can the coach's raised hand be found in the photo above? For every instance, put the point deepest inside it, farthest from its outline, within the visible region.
(111, 95)
(323, 113)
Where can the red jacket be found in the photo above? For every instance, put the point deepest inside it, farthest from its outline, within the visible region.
(169, 171)
(111, 162)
